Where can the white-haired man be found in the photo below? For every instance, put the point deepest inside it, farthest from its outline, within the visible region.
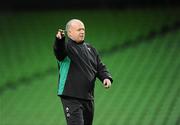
(79, 65)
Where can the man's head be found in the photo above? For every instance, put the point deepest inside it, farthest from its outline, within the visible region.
(75, 30)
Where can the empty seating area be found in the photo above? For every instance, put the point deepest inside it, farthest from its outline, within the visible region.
(141, 48)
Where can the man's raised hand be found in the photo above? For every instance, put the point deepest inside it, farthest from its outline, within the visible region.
(60, 34)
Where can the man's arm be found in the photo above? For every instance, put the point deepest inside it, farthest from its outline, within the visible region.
(103, 73)
(59, 46)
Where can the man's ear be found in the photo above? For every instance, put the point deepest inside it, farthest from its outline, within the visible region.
(69, 33)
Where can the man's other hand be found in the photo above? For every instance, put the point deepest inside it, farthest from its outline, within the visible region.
(107, 83)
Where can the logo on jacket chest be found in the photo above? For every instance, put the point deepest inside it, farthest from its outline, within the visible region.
(89, 48)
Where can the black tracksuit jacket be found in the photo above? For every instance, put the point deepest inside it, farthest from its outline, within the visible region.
(79, 64)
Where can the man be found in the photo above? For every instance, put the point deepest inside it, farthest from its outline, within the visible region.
(79, 65)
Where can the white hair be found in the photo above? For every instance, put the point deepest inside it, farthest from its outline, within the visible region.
(68, 24)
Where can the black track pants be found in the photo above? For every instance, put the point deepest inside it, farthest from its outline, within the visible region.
(78, 111)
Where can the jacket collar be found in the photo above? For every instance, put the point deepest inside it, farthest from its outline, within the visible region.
(69, 39)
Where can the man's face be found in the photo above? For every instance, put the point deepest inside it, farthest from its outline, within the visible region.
(77, 31)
